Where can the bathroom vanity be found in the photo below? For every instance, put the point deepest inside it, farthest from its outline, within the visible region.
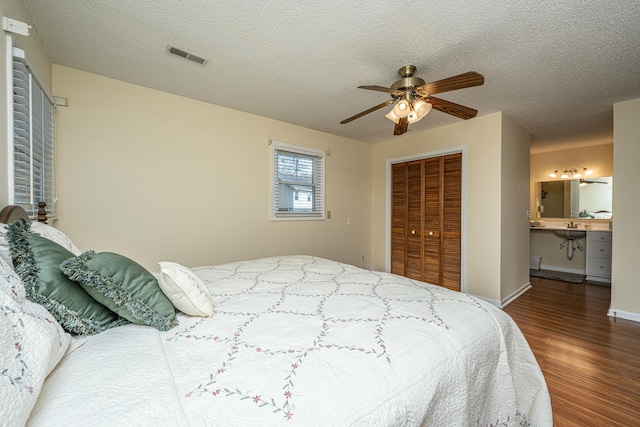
(599, 256)
(585, 249)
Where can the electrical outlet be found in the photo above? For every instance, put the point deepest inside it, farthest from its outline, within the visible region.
(349, 221)
(527, 215)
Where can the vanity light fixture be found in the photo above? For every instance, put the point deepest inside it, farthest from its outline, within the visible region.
(573, 173)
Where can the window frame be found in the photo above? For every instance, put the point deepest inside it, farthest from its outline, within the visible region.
(35, 171)
(318, 182)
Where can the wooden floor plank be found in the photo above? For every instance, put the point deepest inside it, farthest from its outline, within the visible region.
(591, 362)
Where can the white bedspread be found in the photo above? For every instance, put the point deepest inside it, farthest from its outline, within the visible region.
(304, 341)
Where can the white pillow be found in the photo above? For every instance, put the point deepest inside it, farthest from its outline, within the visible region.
(55, 235)
(10, 282)
(185, 289)
(31, 345)
(4, 246)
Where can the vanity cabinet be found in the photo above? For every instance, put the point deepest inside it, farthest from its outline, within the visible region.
(599, 256)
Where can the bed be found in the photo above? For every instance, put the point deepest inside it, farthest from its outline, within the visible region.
(292, 340)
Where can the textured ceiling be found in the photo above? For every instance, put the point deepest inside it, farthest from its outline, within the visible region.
(556, 67)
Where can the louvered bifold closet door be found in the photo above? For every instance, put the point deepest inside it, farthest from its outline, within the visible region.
(398, 218)
(433, 210)
(426, 220)
(415, 225)
(451, 221)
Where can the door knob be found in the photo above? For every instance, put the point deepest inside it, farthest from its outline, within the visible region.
(413, 231)
(431, 233)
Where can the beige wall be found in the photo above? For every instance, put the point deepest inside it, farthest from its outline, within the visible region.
(41, 66)
(482, 218)
(625, 286)
(149, 174)
(156, 177)
(599, 158)
(513, 208)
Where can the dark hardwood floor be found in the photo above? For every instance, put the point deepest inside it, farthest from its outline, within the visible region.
(591, 362)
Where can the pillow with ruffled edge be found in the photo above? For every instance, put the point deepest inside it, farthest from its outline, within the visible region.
(31, 345)
(55, 235)
(185, 289)
(36, 259)
(42, 229)
(124, 286)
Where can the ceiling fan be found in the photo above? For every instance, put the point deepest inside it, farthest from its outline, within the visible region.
(413, 98)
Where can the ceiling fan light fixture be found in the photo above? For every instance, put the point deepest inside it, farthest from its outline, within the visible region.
(411, 98)
(422, 108)
(395, 119)
(413, 116)
(402, 109)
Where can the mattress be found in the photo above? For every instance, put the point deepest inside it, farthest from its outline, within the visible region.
(305, 341)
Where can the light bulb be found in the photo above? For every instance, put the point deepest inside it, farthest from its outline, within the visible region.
(564, 175)
(577, 175)
(413, 116)
(402, 109)
(553, 174)
(587, 171)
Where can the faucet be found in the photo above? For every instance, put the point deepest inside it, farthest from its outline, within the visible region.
(571, 224)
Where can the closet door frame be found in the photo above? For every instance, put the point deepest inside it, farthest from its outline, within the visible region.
(463, 223)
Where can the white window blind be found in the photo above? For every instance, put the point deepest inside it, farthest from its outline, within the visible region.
(297, 183)
(33, 143)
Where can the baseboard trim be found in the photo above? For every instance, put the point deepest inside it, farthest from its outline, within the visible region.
(509, 299)
(562, 269)
(624, 315)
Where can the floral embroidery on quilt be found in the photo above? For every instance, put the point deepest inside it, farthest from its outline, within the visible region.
(328, 284)
(18, 373)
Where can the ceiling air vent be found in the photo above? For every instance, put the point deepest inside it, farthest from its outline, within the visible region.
(186, 55)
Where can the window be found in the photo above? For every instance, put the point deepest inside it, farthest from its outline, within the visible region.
(31, 159)
(297, 183)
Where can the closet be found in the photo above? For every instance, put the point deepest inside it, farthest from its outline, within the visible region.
(426, 213)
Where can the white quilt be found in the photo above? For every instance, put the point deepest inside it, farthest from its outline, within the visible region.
(303, 341)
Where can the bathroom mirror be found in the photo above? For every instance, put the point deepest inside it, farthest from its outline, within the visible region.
(587, 198)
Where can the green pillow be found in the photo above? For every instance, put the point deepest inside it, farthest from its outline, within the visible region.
(36, 260)
(124, 286)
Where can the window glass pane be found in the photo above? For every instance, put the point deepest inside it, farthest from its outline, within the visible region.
(298, 183)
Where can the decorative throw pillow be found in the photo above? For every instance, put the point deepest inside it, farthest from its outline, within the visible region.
(185, 289)
(124, 286)
(36, 260)
(42, 229)
(31, 345)
(56, 235)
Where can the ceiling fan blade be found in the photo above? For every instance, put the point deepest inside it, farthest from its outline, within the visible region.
(401, 127)
(460, 81)
(457, 110)
(370, 110)
(382, 89)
